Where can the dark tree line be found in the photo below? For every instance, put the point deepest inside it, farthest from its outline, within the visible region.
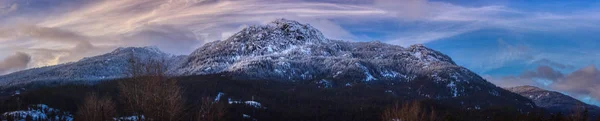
(150, 95)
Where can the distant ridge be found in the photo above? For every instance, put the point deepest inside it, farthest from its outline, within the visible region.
(553, 101)
(103, 67)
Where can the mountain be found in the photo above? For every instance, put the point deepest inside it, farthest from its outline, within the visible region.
(553, 101)
(286, 50)
(103, 67)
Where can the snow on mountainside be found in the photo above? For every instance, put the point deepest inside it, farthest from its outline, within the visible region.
(553, 101)
(285, 50)
(288, 50)
(39, 112)
(107, 66)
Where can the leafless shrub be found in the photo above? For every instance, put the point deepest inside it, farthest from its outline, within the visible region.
(413, 111)
(580, 113)
(150, 93)
(96, 109)
(209, 110)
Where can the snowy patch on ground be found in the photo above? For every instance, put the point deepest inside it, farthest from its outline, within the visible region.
(368, 75)
(249, 103)
(437, 78)
(253, 104)
(324, 83)
(40, 111)
(306, 75)
(495, 93)
(246, 116)
(219, 96)
(542, 95)
(389, 74)
(453, 89)
(128, 118)
(456, 76)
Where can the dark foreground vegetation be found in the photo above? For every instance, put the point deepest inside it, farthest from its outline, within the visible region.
(280, 101)
(150, 95)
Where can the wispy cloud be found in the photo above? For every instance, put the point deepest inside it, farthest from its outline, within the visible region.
(187, 24)
(177, 26)
(8, 9)
(52, 45)
(440, 20)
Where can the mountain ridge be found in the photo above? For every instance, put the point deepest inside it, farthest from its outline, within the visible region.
(302, 54)
(286, 50)
(112, 65)
(553, 101)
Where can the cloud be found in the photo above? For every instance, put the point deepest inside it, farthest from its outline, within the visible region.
(66, 45)
(543, 72)
(67, 29)
(542, 76)
(14, 62)
(548, 62)
(117, 17)
(32, 32)
(407, 9)
(583, 82)
(168, 38)
(63, 34)
(436, 20)
(510, 81)
(8, 9)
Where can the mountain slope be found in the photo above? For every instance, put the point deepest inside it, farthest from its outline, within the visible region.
(553, 101)
(292, 51)
(286, 50)
(103, 67)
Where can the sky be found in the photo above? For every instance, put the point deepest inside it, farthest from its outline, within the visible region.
(544, 43)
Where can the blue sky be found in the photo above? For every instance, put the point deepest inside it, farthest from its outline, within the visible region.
(540, 42)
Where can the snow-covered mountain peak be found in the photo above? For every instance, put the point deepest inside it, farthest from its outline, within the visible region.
(295, 27)
(288, 50)
(280, 31)
(280, 37)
